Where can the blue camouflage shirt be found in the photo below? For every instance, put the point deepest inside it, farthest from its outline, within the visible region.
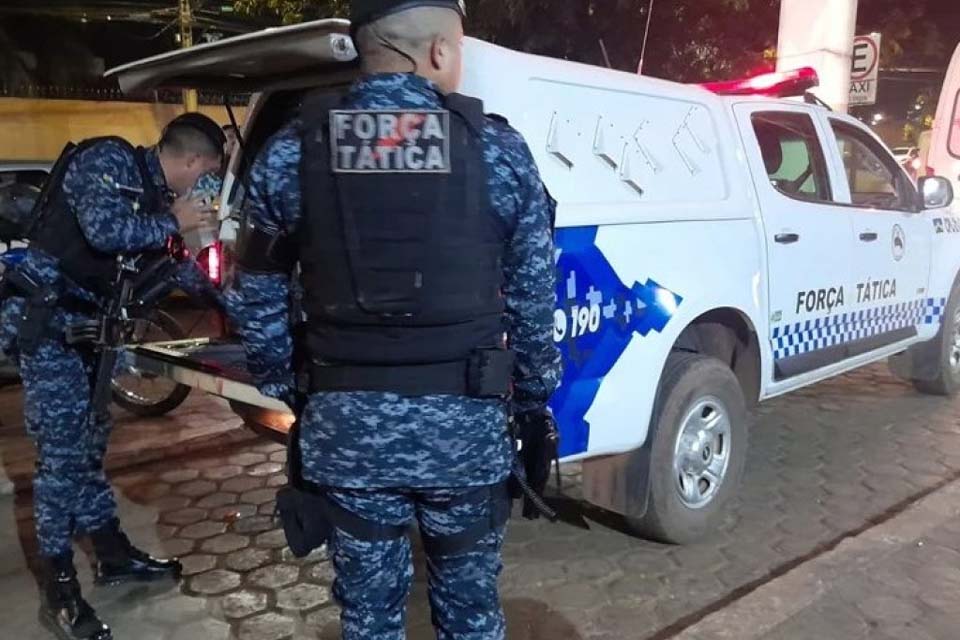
(382, 440)
(101, 184)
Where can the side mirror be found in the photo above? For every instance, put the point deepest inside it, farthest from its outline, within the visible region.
(937, 192)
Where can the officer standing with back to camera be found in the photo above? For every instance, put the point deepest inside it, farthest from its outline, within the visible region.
(423, 236)
(104, 198)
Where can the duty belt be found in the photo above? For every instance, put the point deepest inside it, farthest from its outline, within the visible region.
(487, 373)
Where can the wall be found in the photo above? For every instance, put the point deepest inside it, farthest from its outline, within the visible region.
(38, 129)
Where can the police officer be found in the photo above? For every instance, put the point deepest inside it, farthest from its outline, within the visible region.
(422, 232)
(103, 199)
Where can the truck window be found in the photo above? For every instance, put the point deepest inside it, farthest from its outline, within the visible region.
(953, 138)
(874, 178)
(792, 155)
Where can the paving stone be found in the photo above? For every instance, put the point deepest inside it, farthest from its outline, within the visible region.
(184, 516)
(267, 508)
(274, 576)
(271, 540)
(249, 559)
(209, 629)
(323, 573)
(215, 582)
(326, 621)
(232, 513)
(259, 496)
(201, 530)
(241, 484)
(247, 459)
(256, 524)
(265, 469)
(267, 626)
(279, 456)
(180, 475)
(225, 543)
(277, 480)
(178, 547)
(147, 493)
(170, 503)
(317, 555)
(241, 604)
(219, 499)
(196, 488)
(224, 472)
(302, 597)
(198, 563)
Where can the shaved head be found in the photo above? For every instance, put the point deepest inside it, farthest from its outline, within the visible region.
(422, 40)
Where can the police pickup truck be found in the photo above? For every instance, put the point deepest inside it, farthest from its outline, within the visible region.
(716, 246)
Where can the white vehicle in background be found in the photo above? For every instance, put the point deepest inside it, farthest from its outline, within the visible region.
(943, 157)
(902, 154)
(716, 246)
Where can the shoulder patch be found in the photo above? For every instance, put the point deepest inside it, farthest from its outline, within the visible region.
(378, 141)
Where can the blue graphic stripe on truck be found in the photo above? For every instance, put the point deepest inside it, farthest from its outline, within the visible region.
(597, 317)
(811, 335)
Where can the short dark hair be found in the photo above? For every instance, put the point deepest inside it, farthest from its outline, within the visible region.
(194, 133)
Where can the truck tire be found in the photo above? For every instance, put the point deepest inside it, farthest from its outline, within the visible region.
(945, 349)
(700, 428)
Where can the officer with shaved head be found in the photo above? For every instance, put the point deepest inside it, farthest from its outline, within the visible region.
(420, 230)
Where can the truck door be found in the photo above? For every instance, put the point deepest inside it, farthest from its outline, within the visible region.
(807, 237)
(892, 238)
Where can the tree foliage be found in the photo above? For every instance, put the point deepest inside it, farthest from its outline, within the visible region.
(689, 39)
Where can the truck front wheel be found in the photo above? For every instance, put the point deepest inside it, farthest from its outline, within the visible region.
(699, 430)
(944, 351)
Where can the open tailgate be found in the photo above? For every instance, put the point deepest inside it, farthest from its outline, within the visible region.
(274, 58)
(215, 366)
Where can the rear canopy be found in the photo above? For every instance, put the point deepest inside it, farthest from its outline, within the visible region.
(275, 58)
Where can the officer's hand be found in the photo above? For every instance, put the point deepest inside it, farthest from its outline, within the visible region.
(193, 214)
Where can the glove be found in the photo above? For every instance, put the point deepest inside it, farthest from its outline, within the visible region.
(537, 431)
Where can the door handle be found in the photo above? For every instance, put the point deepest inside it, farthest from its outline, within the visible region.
(868, 236)
(786, 238)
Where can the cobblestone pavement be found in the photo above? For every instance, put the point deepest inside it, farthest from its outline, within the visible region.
(825, 464)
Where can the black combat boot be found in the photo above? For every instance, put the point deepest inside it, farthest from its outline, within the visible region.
(64, 612)
(118, 561)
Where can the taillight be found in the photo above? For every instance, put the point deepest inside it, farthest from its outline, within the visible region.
(210, 260)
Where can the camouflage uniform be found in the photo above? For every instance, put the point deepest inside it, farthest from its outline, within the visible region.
(391, 458)
(71, 491)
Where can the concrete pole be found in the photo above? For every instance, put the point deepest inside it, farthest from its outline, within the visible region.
(190, 100)
(819, 34)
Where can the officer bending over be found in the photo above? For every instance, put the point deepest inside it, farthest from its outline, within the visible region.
(106, 198)
(422, 232)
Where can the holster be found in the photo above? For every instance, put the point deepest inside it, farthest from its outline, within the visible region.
(42, 299)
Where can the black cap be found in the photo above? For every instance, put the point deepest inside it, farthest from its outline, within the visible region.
(210, 129)
(364, 12)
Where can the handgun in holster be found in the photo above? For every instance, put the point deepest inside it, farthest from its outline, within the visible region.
(38, 312)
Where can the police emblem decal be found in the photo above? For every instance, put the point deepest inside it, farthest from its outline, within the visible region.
(410, 141)
(899, 243)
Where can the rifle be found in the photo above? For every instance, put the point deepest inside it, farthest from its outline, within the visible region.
(140, 282)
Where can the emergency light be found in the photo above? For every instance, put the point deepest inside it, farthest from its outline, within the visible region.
(783, 84)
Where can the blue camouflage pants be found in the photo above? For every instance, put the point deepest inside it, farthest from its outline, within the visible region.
(71, 493)
(374, 578)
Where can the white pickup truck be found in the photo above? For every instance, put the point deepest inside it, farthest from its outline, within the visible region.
(716, 247)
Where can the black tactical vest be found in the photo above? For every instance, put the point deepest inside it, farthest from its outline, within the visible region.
(400, 250)
(57, 230)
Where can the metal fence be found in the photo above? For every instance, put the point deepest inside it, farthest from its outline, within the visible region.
(111, 93)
